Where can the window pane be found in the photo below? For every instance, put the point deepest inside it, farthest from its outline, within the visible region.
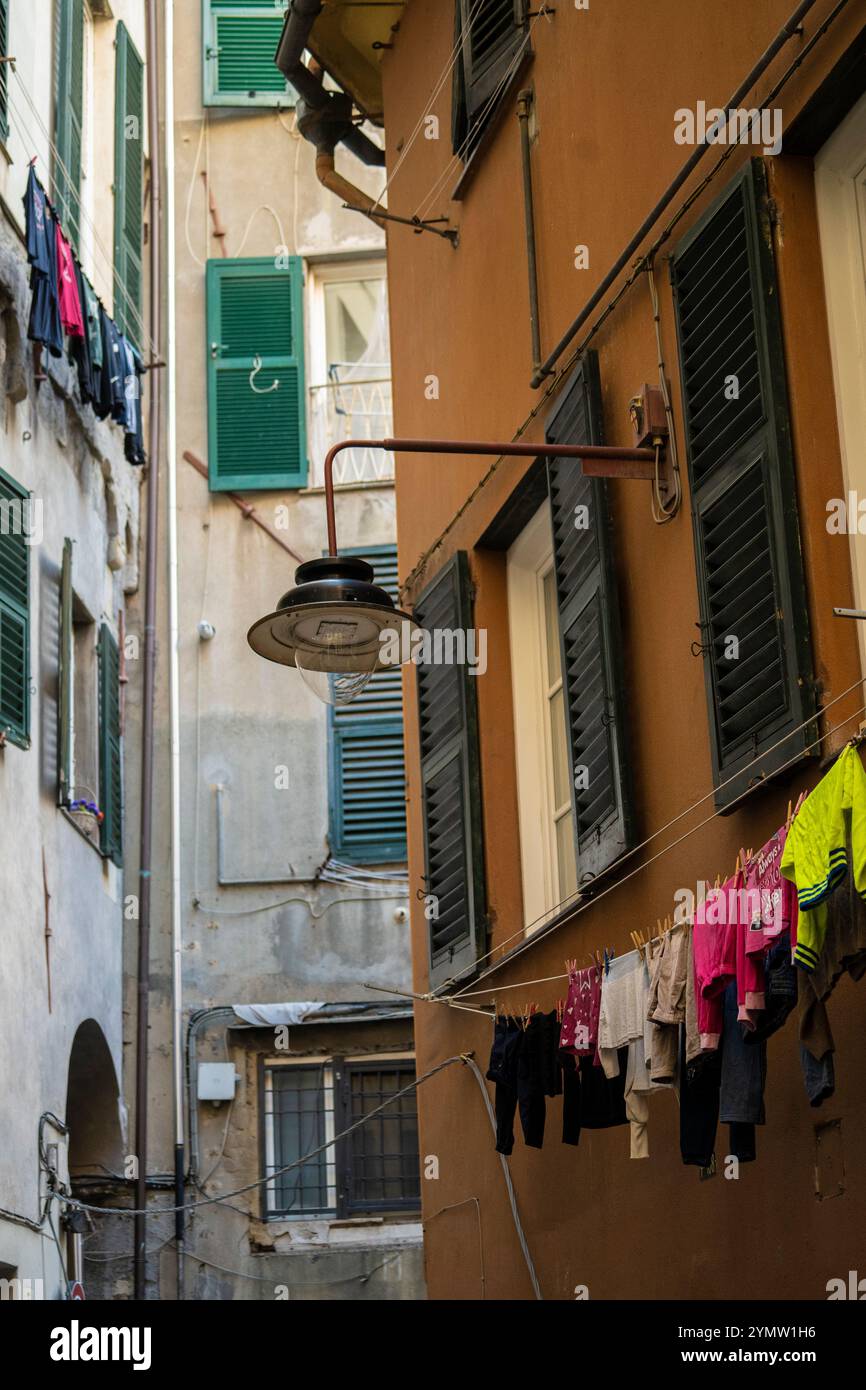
(565, 856)
(299, 1100)
(354, 311)
(384, 1156)
(551, 629)
(559, 746)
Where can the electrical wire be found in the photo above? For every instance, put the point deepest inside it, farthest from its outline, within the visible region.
(463, 1058)
(544, 931)
(663, 511)
(478, 122)
(425, 111)
(189, 246)
(576, 896)
(263, 207)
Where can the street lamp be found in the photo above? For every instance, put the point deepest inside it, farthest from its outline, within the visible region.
(330, 625)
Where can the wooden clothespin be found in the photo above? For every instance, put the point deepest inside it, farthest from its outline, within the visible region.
(790, 817)
(737, 868)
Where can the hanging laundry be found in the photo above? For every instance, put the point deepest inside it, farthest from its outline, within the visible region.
(816, 854)
(79, 351)
(71, 316)
(715, 958)
(623, 1022)
(777, 896)
(132, 424)
(666, 1005)
(743, 1076)
(580, 1016)
(41, 237)
(40, 246)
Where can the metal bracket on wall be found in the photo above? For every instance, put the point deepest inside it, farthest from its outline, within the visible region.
(427, 225)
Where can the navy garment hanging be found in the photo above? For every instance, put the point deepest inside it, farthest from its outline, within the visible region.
(44, 326)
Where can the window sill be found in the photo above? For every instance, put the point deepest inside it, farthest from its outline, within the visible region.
(70, 819)
(470, 168)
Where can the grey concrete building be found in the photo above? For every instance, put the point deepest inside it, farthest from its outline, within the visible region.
(284, 882)
(69, 566)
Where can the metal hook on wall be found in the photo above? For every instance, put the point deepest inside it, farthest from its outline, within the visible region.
(261, 390)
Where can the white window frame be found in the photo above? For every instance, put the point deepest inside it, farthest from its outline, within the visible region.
(529, 560)
(272, 1064)
(322, 273)
(840, 181)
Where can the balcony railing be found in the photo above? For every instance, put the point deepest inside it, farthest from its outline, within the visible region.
(358, 409)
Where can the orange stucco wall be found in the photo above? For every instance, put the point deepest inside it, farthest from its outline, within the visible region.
(607, 82)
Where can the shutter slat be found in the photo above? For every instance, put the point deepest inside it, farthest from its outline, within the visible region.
(742, 484)
(256, 436)
(450, 777)
(589, 628)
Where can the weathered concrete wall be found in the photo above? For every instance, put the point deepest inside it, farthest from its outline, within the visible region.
(51, 876)
(242, 718)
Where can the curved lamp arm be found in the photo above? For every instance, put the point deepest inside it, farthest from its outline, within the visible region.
(597, 460)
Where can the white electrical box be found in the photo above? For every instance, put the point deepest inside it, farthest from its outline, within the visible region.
(216, 1080)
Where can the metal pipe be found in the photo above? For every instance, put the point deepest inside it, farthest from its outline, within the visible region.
(524, 104)
(328, 177)
(597, 460)
(149, 670)
(289, 58)
(177, 1039)
(788, 30)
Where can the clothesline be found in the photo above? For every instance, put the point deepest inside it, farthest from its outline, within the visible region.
(591, 902)
(451, 1000)
(97, 240)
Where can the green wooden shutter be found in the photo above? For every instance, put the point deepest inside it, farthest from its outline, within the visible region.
(65, 678)
(128, 185)
(590, 635)
(367, 773)
(110, 757)
(744, 500)
(68, 112)
(14, 612)
(451, 785)
(256, 435)
(4, 69)
(239, 43)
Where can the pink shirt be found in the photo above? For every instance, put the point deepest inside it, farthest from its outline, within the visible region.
(579, 1032)
(778, 896)
(67, 290)
(715, 953)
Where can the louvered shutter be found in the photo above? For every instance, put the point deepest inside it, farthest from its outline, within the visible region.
(490, 35)
(239, 43)
(14, 613)
(110, 757)
(751, 586)
(65, 678)
(367, 770)
(590, 635)
(451, 784)
(256, 434)
(68, 112)
(4, 69)
(128, 185)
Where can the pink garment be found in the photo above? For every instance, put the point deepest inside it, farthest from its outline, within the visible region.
(579, 1033)
(776, 896)
(67, 290)
(715, 955)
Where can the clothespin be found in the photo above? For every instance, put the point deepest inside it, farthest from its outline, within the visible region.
(737, 869)
(790, 817)
(32, 161)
